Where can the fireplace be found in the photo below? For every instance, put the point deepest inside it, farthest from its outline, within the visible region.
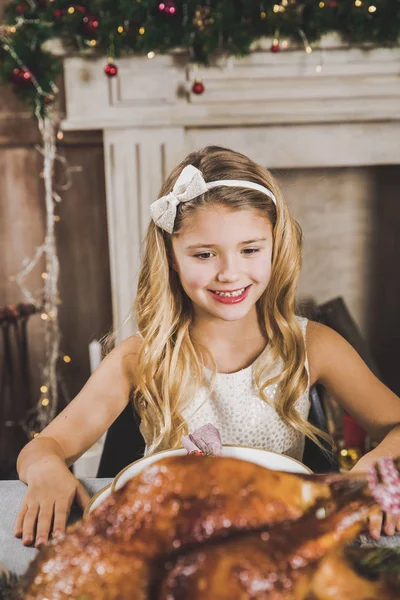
(327, 124)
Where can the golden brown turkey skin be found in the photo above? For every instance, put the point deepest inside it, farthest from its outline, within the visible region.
(288, 562)
(176, 502)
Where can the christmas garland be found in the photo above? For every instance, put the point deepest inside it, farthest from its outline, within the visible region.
(203, 28)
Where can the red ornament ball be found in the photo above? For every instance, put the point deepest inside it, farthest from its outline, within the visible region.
(111, 70)
(275, 47)
(168, 7)
(21, 77)
(20, 8)
(48, 99)
(91, 24)
(198, 87)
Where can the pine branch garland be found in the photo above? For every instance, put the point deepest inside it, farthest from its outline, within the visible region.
(376, 563)
(7, 583)
(202, 28)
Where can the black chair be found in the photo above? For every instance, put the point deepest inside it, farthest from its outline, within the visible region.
(16, 398)
(336, 315)
(319, 460)
(123, 444)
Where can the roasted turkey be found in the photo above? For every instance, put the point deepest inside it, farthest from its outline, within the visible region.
(200, 527)
(279, 563)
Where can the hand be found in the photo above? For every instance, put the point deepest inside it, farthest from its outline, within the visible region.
(52, 488)
(380, 523)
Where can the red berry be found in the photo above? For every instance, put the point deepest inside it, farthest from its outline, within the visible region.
(91, 24)
(21, 77)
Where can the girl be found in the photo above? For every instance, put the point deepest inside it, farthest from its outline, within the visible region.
(218, 342)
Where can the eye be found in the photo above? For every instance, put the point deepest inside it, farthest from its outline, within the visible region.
(203, 255)
(251, 250)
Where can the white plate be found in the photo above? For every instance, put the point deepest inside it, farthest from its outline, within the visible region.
(97, 499)
(264, 458)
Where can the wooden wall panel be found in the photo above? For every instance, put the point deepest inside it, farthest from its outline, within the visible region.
(85, 286)
(82, 243)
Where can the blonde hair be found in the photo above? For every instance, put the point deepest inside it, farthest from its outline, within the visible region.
(169, 371)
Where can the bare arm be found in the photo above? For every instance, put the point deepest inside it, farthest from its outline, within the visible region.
(43, 463)
(338, 367)
(334, 363)
(90, 413)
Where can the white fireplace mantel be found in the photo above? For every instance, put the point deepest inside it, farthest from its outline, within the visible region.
(282, 110)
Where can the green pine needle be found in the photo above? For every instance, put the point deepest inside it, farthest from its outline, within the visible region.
(376, 563)
(7, 584)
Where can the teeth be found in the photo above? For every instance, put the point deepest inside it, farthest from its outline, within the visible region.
(230, 294)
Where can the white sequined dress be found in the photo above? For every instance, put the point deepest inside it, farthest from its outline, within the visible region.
(241, 416)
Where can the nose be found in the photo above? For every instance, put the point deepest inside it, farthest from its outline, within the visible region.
(228, 271)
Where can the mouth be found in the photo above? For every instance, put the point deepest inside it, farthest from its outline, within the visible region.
(230, 296)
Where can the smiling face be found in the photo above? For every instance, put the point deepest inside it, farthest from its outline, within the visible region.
(223, 259)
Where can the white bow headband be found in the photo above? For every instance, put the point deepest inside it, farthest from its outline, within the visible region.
(188, 186)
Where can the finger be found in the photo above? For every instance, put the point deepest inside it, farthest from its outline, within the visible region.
(375, 525)
(390, 524)
(61, 511)
(44, 523)
(82, 496)
(29, 524)
(19, 521)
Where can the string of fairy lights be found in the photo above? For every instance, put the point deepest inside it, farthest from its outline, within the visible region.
(47, 300)
(149, 27)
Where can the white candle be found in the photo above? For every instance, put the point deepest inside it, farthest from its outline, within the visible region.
(94, 355)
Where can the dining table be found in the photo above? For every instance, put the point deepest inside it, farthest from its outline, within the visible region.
(16, 557)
